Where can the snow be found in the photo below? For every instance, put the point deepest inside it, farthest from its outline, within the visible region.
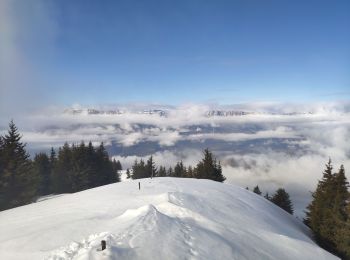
(169, 218)
(123, 176)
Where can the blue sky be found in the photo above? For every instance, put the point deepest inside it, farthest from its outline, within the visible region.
(181, 51)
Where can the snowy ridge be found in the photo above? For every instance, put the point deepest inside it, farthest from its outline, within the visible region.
(167, 219)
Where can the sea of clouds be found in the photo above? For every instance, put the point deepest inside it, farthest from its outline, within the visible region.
(274, 145)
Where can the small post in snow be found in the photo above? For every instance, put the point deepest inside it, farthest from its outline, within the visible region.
(139, 186)
(103, 245)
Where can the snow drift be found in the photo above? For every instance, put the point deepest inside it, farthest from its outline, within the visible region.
(169, 218)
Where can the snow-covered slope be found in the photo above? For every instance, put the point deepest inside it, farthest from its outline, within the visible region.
(167, 219)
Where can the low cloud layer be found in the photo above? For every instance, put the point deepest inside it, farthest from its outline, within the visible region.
(272, 145)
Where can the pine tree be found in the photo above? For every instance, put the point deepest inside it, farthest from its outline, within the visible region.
(53, 157)
(257, 190)
(208, 168)
(117, 167)
(61, 175)
(190, 172)
(281, 199)
(93, 163)
(53, 162)
(139, 170)
(180, 170)
(267, 196)
(319, 211)
(218, 173)
(151, 169)
(343, 236)
(341, 215)
(341, 194)
(170, 172)
(320, 200)
(81, 168)
(327, 213)
(135, 170)
(18, 182)
(161, 171)
(42, 169)
(128, 175)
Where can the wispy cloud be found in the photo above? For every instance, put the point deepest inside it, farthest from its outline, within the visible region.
(25, 28)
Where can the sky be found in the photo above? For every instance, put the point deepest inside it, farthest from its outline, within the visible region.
(172, 52)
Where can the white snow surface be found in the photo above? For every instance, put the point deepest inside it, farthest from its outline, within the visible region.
(169, 218)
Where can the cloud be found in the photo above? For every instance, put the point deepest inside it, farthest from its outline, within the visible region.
(297, 174)
(25, 28)
(272, 170)
(189, 123)
(276, 146)
(279, 132)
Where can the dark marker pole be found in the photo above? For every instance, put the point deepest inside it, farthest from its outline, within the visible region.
(103, 244)
(139, 186)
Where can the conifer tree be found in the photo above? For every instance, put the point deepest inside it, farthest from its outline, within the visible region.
(267, 196)
(327, 214)
(180, 170)
(81, 168)
(117, 166)
(92, 163)
(341, 214)
(170, 172)
(341, 194)
(208, 168)
(61, 175)
(139, 170)
(18, 183)
(319, 211)
(320, 199)
(105, 166)
(42, 168)
(53, 162)
(151, 169)
(335, 217)
(190, 172)
(128, 175)
(135, 170)
(257, 190)
(218, 173)
(281, 199)
(53, 157)
(161, 171)
(343, 237)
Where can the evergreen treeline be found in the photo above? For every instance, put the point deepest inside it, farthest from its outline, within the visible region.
(81, 167)
(280, 198)
(207, 168)
(73, 169)
(328, 214)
